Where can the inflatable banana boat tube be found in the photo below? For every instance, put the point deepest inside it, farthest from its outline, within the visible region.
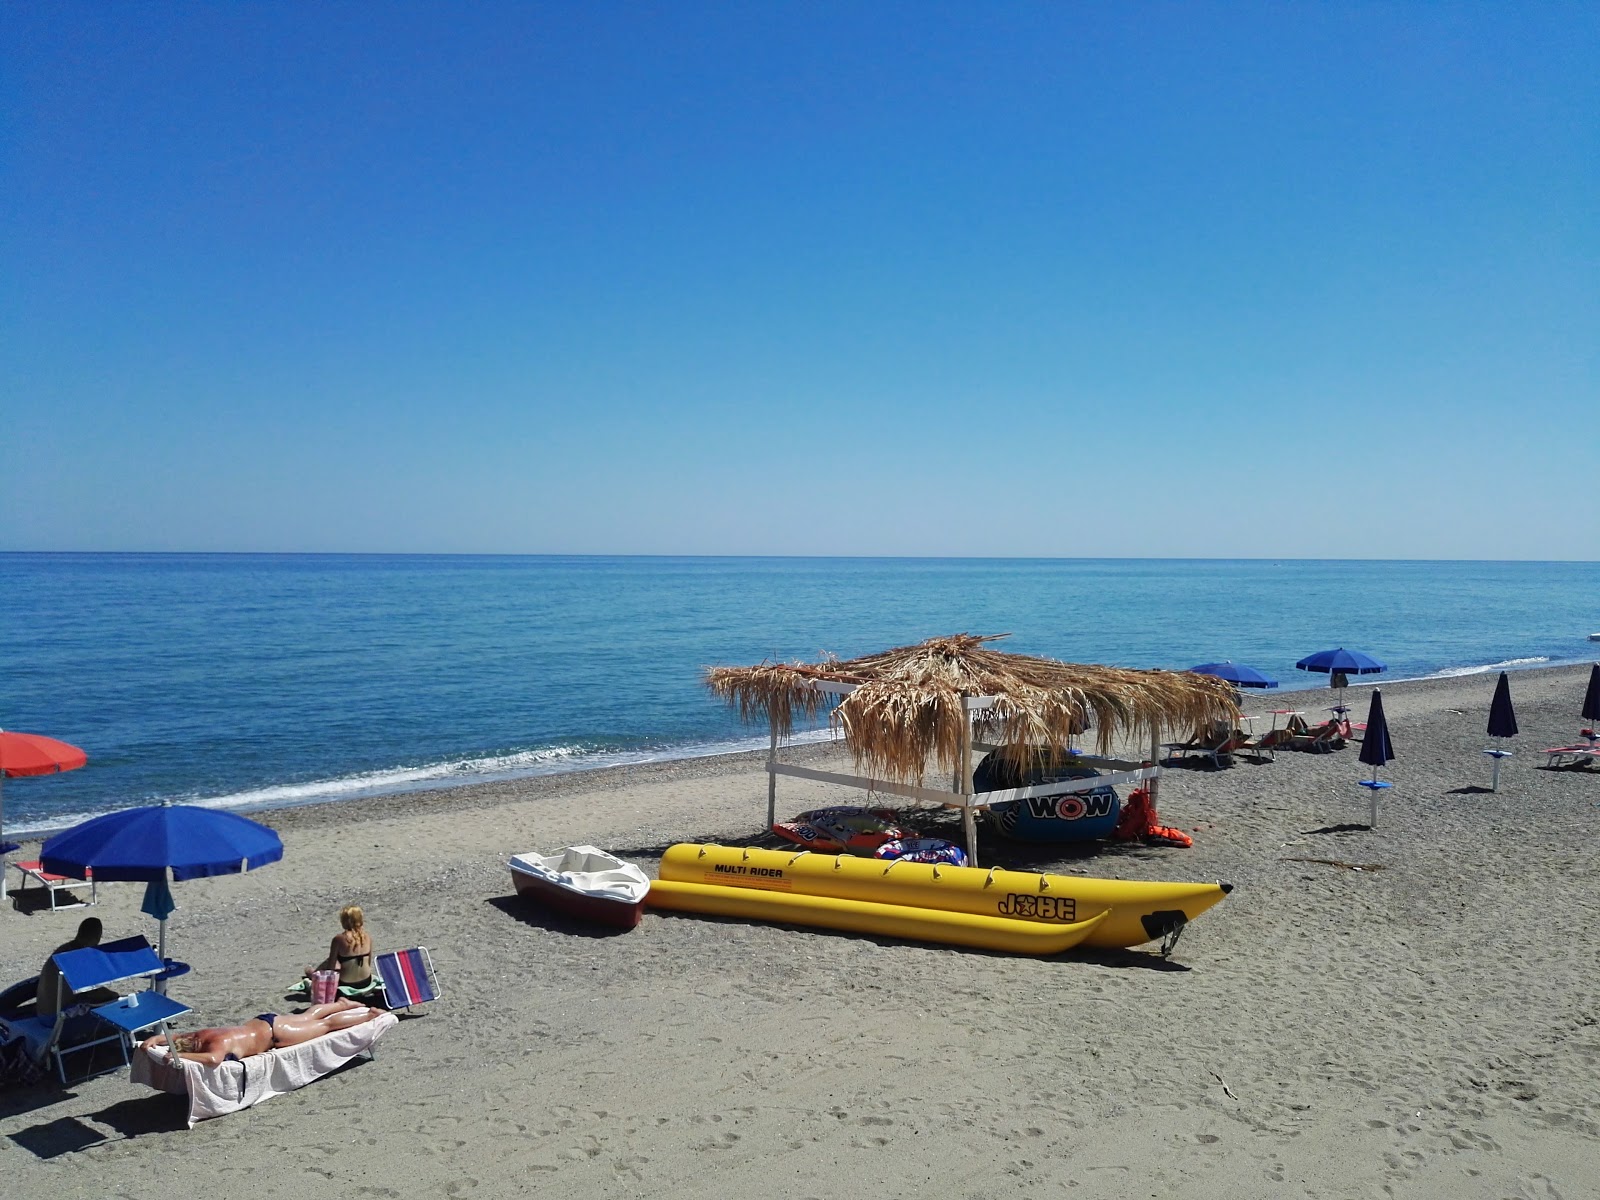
(1134, 911)
(888, 920)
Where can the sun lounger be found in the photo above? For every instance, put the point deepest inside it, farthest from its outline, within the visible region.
(53, 1038)
(1269, 743)
(1580, 755)
(216, 1091)
(1215, 748)
(1320, 739)
(56, 883)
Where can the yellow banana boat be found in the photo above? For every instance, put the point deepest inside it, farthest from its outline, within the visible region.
(859, 916)
(1134, 911)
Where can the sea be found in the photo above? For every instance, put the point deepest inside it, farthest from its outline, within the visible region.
(264, 680)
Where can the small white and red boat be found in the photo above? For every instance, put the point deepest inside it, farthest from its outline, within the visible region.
(583, 882)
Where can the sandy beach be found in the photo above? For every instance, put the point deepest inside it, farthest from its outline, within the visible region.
(1427, 1025)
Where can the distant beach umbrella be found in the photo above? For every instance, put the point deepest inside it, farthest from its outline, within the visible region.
(1376, 749)
(30, 754)
(1347, 662)
(1591, 698)
(1338, 664)
(1235, 673)
(160, 842)
(1502, 724)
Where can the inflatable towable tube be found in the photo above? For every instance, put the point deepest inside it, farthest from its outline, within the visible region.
(923, 850)
(886, 920)
(1135, 912)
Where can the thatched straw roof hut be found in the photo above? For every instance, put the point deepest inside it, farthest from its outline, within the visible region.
(906, 708)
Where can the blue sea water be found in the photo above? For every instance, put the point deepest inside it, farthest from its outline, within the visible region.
(252, 680)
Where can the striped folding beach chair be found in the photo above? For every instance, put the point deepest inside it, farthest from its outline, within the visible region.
(408, 977)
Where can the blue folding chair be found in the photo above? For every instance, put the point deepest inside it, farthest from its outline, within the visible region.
(57, 1036)
(408, 977)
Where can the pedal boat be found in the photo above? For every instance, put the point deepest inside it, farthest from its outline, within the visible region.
(583, 882)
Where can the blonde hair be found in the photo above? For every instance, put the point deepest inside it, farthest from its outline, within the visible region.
(353, 919)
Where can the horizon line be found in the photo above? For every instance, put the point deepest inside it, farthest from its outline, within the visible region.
(795, 557)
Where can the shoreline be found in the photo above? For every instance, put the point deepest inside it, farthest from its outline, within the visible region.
(1402, 1010)
(1253, 700)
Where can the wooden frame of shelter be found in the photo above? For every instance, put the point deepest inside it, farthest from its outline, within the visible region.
(900, 708)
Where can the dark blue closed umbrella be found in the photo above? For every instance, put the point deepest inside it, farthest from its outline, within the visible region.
(1376, 749)
(1502, 724)
(1591, 698)
(1235, 673)
(158, 843)
(1502, 719)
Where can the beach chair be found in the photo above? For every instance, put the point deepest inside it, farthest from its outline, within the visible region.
(243, 1083)
(1216, 746)
(1320, 739)
(1268, 744)
(1580, 755)
(408, 977)
(55, 884)
(53, 1038)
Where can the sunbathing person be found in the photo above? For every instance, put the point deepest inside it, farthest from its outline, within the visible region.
(269, 1031)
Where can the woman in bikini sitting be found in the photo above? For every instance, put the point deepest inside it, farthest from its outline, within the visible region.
(350, 953)
(269, 1031)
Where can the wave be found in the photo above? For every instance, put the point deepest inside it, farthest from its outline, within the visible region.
(453, 773)
(1506, 665)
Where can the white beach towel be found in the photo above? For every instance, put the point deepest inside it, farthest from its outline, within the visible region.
(216, 1091)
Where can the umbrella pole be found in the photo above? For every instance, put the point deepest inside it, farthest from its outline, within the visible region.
(1495, 785)
(2, 834)
(161, 953)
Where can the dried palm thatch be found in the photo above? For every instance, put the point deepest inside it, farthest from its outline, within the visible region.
(907, 708)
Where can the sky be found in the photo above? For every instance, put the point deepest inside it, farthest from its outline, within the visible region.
(1010, 279)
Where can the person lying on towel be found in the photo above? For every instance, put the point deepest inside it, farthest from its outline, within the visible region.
(269, 1031)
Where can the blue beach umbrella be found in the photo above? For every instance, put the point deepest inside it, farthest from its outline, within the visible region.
(1376, 749)
(1345, 662)
(1235, 673)
(1337, 664)
(159, 843)
(1502, 724)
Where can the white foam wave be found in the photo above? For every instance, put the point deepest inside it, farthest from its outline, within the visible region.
(428, 777)
(1508, 664)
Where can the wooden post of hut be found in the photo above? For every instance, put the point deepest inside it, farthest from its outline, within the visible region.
(772, 777)
(963, 787)
(1153, 784)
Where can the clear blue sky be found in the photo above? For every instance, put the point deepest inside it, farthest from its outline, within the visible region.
(927, 279)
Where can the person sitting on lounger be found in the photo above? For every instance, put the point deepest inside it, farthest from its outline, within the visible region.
(269, 1031)
(50, 989)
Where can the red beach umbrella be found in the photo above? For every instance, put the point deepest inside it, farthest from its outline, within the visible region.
(30, 754)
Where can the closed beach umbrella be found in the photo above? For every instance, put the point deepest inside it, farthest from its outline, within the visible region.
(1376, 749)
(1237, 674)
(30, 754)
(1591, 698)
(1502, 718)
(1502, 724)
(159, 843)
